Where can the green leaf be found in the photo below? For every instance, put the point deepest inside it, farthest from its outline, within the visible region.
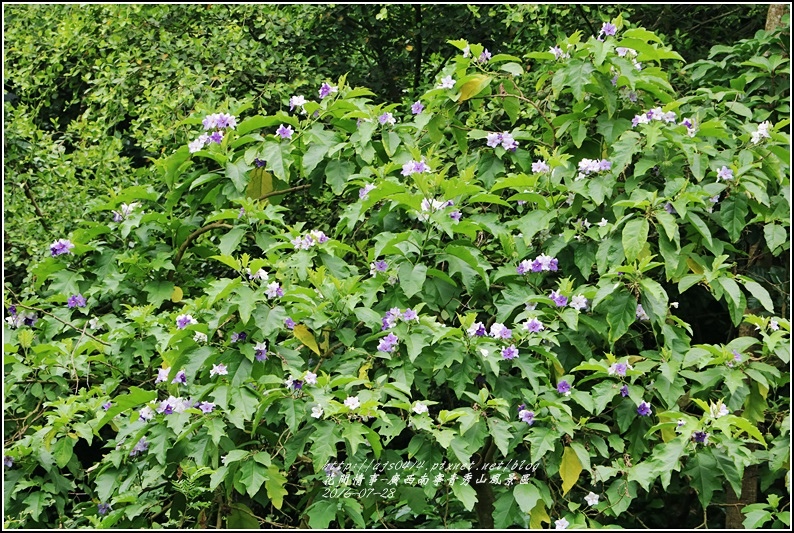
(241, 517)
(229, 242)
(527, 496)
(353, 433)
(252, 477)
(756, 518)
(278, 160)
(337, 173)
(635, 235)
(465, 493)
(702, 470)
(501, 434)
(322, 513)
(412, 278)
(775, 236)
(237, 173)
(542, 440)
(275, 486)
(621, 313)
(733, 215)
(700, 226)
(63, 450)
(760, 294)
(578, 74)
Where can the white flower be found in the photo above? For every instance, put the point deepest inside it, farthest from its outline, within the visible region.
(761, 133)
(561, 524)
(317, 411)
(200, 337)
(579, 302)
(94, 323)
(310, 378)
(146, 413)
(484, 352)
(446, 83)
(352, 402)
(719, 410)
(591, 499)
(218, 370)
(773, 325)
(420, 408)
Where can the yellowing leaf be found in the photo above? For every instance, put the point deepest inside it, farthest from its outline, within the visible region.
(570, 468)
(694, 267)
(472, 88)
(176, 295)
(275, 486)
(538, 515)
(260, 183)
(363, 371)
(303, 334)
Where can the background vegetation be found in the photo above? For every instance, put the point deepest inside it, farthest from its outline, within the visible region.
(90, 127)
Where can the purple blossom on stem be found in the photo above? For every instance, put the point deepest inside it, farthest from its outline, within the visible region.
(76, 300)
(103, 508)
(363, 193)
(510, 352)
(386, 118)
(540, 166)
(558, 299)
(701, 437)
(499, 331)
(297, 101)
(285, 132)
(526, 416)
(644, 409)
(477, 330)
(274, 290)
(259, 163)
(534, 325)
(289, 323)
(484, 56)
(183, 321)
(8, 461)
(238, 337)
(218, 370)
(617, 369)
(260, 351)
(564, 388)
(107, 405)
(417, 107)
(456, 216)
(162, 375)
(216, 137)
(326, 90)
(180, 377)
(60, 247)
(206, 407)
(725, 173)
(388, 343)
(140, 447)
(609, 29)
(624, 390)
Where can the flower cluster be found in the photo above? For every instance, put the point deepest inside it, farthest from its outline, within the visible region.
(274, 290)
(60, 247)
(591, 166)
(431, 205)
(388, 343)
(412, 167)
(558, 299)
(622, 51)
(260, 351)
(505, 139)
(126, 210)
(394, 314)
(558, 53)
(761, 133)
(217, 122)
(654, 114)
(387, 118)
(477, 330)
(174, 405)
(140, 447)
(238, 337)
(542, 263)
(618, 369)
(526, 415)
(17, 320)
(540, 166)
(308, 240)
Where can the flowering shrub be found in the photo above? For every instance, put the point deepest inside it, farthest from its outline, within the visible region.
(489, 324)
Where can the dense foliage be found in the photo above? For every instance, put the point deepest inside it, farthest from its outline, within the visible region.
(551, 289)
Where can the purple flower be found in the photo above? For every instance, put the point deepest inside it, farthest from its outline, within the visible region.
(103, 508)
(413, 167)
(218, 370)
(484, 56)
(206, 407)
(60, 247)
(534, 325)
(670, 209)
(378, 266)
(456, 215)
(564, 388)
(510, 352)
(216, 137)
(624, 390)
(540, 166)
(76, 300)
(477, 330)
(12, 310)
(162, 375)
(141, 446)
(508, 143)
(285, 132)
(410, 314)
(641, 314)
(617, 369)
(499, 331)
(700, 436)
(180, 377)
(526, 416)
(609, 29)
(260, 351)
(388, 343)
(417, 107)
(390, 318)
(326, 90)
(644, 409)
(274, 290)
(725, 173)
(107, 405)
(363, 193)
(183, 321)
(493, 139)
(386, 118)
(8, 461)
(524, 266)
(259, 163)
(289, 323)
(559, 299)
(297, 101)
(239, 337)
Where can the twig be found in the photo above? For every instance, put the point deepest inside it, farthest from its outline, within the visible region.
(190, 238)
(284, 191)
(39, 214)
(42, 311)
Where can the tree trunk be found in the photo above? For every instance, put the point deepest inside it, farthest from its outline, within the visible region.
(774, 16)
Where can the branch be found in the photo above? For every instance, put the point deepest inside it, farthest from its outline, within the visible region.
(582, 13)
(39, 214)
(192, 237)
(64, 322)
(284, 191)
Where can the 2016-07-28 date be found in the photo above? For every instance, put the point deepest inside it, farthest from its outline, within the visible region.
(347, 492)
